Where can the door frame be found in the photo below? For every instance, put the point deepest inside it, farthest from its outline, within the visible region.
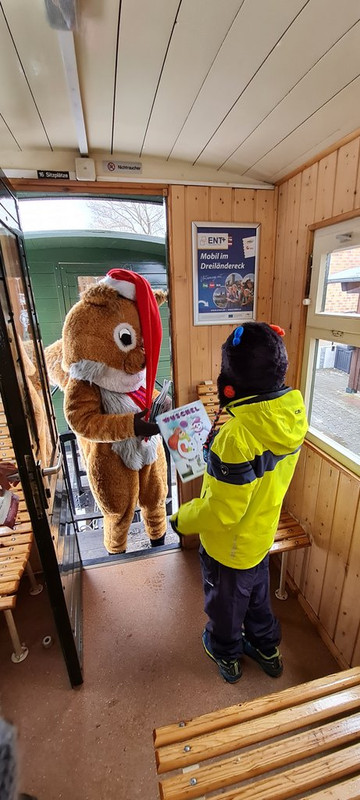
(30, 471)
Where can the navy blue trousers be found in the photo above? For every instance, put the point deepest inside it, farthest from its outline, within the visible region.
(237, 599)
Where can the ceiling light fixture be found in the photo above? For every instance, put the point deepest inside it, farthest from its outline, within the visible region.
(61, 14)
(67, 47)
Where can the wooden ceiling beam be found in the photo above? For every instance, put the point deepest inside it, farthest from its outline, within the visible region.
(86, 187)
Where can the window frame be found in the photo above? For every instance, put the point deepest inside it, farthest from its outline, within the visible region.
(329, 327)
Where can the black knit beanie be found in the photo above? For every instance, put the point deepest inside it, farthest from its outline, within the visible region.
(254, 360)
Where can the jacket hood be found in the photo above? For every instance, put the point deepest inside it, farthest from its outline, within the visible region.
(278, 420)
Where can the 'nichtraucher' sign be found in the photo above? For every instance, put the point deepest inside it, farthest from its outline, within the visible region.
(123, 167)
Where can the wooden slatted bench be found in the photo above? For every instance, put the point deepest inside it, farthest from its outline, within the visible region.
(15, 548)
(290, 534)
(309, 734)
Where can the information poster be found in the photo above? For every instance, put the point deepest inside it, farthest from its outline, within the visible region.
(224, 272)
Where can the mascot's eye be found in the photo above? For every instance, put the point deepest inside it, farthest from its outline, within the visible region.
(125, 337)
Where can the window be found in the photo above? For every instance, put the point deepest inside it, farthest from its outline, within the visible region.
(331, 374)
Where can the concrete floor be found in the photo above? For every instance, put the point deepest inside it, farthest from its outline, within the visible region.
(143, 667)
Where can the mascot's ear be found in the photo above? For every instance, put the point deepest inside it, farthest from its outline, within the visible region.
(160, 296)
(99, 295)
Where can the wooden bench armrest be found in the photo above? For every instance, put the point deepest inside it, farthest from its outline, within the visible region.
(7, 603)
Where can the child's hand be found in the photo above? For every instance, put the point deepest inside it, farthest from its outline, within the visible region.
(173, 522)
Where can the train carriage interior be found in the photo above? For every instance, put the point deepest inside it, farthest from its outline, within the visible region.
(212, 149)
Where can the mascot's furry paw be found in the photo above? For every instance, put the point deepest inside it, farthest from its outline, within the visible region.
(53, 359)
(158, 542)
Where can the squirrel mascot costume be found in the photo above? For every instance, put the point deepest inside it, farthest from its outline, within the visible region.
(106, 363)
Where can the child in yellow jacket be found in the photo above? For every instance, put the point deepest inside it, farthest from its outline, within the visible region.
(250, 463)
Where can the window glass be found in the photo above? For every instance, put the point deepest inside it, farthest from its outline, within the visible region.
(334, 410)
(341, 287)
(26, 346)
(331, 365)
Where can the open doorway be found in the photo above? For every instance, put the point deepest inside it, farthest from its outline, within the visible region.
(71, 243)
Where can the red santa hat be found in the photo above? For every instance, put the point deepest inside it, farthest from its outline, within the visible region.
(134, 287)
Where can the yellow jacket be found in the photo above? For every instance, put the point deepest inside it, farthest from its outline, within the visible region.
(250, 465)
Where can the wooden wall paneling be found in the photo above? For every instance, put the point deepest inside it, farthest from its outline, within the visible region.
(197, 209)
(356, 654)
(307, 499)
(345, 181)
(279, 251)
(323, 495)
(301, 556)
(295, 495)
(187, 491)
(284, 287)
(221, 209)
(339, 547)
(220, 204)
(193, 343)
(325, 187)
(355, 658)
(287, 504)
(291, 234)
(310, 488)
(219, 334)
(294, 503)
(347, 639)
(265, 213)
(357, 188)
(244, 205)
(197, 349)
(180, 283)
(322, 521)
(315, 159)
(297, 309)
(247, 205)
(301, 567)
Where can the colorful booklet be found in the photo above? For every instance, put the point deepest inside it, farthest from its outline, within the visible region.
(185, 430)
(158, 404)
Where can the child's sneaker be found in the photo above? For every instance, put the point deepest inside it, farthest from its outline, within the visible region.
(230, 670)
(272, 665)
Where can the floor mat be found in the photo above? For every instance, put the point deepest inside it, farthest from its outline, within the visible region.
(93, 552)
(84, 515)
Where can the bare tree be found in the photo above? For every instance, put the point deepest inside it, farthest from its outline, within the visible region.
(128, 216)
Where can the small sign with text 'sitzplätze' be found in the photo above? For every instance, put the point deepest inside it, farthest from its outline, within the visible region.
(122, 166)
(53, 173)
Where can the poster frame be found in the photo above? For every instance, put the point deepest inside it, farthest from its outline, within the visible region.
(222, 317)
